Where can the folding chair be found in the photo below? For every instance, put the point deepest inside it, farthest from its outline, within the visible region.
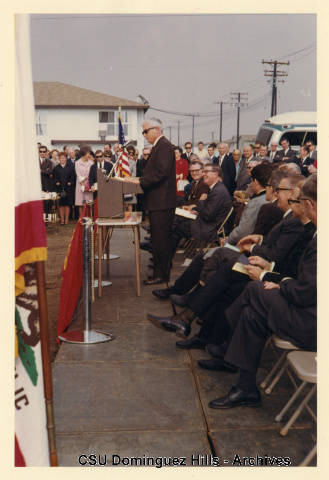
(279, 367)
(193, 246)
(303, 365)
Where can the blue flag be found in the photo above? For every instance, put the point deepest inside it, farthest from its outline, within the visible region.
(122, 140)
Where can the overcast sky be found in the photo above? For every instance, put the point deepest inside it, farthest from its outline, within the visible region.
(182, 63)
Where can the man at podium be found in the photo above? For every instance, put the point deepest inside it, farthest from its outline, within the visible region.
(158, 183)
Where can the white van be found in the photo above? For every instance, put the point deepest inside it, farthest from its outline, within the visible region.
(297, 127)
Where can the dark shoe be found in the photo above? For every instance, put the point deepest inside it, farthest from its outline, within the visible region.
(179, 300)
(172, 324)
(236, 398)
(218, 365)
(193, 342)
(146, 228)
(154, 281)
(147, 239)
(215, 351)
(162, 294)
(145, 246)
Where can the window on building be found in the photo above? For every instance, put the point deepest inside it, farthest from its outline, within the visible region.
(110, 118)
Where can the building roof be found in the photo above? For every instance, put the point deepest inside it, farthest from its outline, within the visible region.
(62, 95)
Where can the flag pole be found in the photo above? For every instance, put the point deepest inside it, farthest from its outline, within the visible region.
(46, 368)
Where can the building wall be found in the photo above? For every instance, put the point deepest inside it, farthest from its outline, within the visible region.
(83, 124)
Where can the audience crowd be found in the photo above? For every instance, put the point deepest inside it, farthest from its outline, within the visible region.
(257, 279)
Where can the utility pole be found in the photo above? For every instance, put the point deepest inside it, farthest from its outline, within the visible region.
(238, 100)
(193, 132)
(275, 73)
(178, 133)
(220, 118)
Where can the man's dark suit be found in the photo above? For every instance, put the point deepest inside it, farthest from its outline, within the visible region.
(159, 185)
(107, 166)
(186, 156)
(243, 178)
(229, 172)
(305, 164)
(288, 157)
(289, 312)
(276, 247)
(197, 189)
(212, 213)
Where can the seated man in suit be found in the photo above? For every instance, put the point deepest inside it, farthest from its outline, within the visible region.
(211, 211)
(276, 247)
(198, 186)
(287, 308)
(215, 330)
(100, 163)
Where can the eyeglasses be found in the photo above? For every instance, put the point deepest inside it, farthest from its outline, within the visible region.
(198, 170)
(107, 156)
(268, 185)
(291, 201)
(99, 156)
(209, 171)
(146, 130)
(277, 189)
(188, 148)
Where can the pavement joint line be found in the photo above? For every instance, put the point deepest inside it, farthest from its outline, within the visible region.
(130, 430)
(203, 413)
(157, 363)
(276, 427)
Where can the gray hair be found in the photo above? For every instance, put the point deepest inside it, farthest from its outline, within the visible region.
(291, 167)
(154, 122)
(309, 189)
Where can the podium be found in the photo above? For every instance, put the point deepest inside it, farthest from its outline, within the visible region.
(111, 215)
(111, 193)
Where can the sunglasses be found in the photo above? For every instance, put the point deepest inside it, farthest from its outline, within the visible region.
(99, 156)
(43, 151)
(146, 130)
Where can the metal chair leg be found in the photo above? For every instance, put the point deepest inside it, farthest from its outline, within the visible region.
(297, 412)
(309, 457)
(280, 415)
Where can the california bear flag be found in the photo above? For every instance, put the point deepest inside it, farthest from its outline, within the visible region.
(31, 442)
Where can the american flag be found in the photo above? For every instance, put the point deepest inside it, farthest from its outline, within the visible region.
(122, 167)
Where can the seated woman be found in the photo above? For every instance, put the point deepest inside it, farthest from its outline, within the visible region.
(64, 184)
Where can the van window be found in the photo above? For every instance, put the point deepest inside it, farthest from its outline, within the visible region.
(312, 136)
(294, 138)
(264, 135)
